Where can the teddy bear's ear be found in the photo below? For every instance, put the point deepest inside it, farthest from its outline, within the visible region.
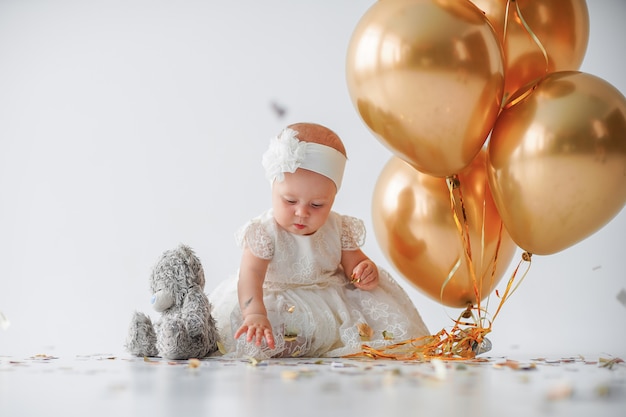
(200, 275)
(196, 267)
(187, 254)
(185, 249)
(193, 262)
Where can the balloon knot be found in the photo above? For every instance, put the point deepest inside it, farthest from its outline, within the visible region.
(453, 181)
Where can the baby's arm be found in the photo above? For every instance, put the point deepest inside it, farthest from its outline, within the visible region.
(363, 272)
(250, 291)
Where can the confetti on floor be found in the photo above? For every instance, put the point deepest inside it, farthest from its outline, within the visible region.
(108, 384)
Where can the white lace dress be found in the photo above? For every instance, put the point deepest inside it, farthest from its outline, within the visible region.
(313, 308)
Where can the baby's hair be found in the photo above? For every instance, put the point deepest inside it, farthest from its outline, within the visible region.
(315, 133)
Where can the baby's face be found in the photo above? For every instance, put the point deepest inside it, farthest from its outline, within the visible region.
(302, 201)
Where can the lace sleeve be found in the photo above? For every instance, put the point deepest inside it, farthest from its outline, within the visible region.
(352, 233)
(254, 236)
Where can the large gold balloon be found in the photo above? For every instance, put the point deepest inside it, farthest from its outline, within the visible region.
(416, 230)
(427, 76)
(556, 29)
(557, 161)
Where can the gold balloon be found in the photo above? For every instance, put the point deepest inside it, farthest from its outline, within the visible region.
(557, 161)
(426, 77)
(416, 230)
(560, 27)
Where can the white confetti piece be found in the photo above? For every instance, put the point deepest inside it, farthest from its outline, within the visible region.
(440, 369)
(4, 322)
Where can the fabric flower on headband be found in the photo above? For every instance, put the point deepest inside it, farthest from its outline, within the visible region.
(285, 154)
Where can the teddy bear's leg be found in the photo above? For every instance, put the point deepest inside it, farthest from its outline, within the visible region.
(174, 341)
(141, 339)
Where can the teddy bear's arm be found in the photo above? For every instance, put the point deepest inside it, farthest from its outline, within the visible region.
(196, 312)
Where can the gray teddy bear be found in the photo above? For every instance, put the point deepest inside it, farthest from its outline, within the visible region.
(186, 328)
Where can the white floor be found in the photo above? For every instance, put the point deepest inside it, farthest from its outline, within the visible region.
(110, 385)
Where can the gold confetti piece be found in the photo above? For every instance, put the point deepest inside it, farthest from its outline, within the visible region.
(515, 365)
(290, 309)
(603, 390)
(194, 363)
(289, 375)
(507, 364)
(97, 356)
(221, 348)
(560, 391)
(395, 372)
(290, 336)
(387, 335)
(365, 331)
(253, 361)
(610, 363)
(43, 357)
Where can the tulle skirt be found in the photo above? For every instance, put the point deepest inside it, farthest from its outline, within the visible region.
(321, 320)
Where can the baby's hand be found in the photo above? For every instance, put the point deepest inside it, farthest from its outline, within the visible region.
(365, 275)
(257, 327)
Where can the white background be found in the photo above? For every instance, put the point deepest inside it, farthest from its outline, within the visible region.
(128, 127)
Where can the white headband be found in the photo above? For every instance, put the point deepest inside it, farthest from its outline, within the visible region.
(286, 154)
